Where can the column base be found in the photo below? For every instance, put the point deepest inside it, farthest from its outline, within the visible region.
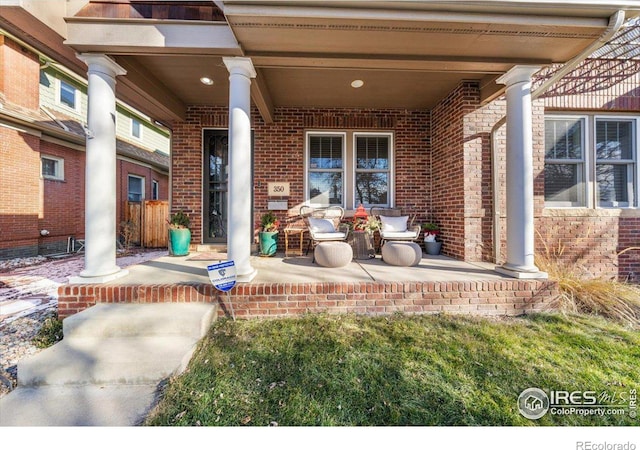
(100, 279)
(521, 275)
(246, 277)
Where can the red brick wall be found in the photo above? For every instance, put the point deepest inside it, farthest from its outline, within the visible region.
(601, 242)
(461, 198)
(19, 74)
(508, 297)
(63, 201)
(279, 155)
(20, 192)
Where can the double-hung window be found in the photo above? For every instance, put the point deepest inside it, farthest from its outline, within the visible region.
(372, 169)
(591, 161)
(349, 168)
(564, 169)
(615, 162)
(326, 169)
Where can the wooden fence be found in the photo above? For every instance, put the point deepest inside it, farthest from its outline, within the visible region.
(149, 220)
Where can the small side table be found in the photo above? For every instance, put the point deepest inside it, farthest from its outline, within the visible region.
(293, 231)
(362, 245)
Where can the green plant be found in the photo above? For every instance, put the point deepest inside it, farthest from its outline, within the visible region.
(49, 333)
(179, 220)
(430, 228)
(431, 231)
(269, 222)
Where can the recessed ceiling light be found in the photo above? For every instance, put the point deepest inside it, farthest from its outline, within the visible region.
(357, 84)
(206, 80)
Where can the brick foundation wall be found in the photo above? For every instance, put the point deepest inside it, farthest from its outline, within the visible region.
(591, 241)
(508, 297)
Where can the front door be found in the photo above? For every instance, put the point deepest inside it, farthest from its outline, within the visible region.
(216, 166)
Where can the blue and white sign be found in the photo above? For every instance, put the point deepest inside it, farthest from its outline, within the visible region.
(223, 275)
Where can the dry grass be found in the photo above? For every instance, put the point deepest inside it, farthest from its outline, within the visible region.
(582, 293)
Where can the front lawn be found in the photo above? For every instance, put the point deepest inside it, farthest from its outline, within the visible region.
(398, 370)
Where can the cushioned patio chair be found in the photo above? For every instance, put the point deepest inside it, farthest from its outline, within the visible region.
(324, 224)
(395, 226)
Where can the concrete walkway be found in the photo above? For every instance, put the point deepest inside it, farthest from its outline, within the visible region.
(107, 369)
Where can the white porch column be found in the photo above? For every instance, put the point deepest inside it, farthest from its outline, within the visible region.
(100, 173)
(240, 222)
(520, 215)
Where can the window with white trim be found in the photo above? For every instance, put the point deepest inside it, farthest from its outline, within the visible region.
(135, 189)
(615, 162)
(591, 161)
(68, 95)
(372, 169)
(136, 128)
(155, 190)
(564, 162)
(349, 168)
(52, 167)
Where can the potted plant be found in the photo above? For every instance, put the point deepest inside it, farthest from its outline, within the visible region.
(179, 234)
(268, 235)
(369, 224)
(431, 235)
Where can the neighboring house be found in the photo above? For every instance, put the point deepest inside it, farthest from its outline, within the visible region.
(401, 104)
(43, 112)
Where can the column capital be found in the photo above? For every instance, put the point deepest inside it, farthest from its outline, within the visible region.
(518, 74)
(99, 62)
(237, 65)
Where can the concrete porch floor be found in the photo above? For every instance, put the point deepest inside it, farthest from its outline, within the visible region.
(286, 286)
(300, 269)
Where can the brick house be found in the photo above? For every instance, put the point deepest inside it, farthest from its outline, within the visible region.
(43, 107)
(432, 100)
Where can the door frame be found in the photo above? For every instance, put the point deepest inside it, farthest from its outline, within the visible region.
(205, 191)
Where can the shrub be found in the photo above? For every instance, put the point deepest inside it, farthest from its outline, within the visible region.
(49, 334)
(582, 293)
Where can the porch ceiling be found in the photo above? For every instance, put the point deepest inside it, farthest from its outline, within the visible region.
(409, 54)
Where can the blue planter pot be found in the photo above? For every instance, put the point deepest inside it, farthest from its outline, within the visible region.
(179, 241)
(268, 242)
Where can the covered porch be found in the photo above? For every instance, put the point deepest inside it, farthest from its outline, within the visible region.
(295, 285)
(274, 76)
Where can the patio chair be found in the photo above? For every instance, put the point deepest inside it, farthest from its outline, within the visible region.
(324, 224)
(395, 226)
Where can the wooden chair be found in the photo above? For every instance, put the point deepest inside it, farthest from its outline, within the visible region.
(395, 226)
(324, 224)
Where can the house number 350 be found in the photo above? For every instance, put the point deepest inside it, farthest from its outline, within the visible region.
(278, 189)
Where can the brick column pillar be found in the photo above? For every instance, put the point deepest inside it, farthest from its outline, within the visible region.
(239, 224)
(520, 215)
(100, 173)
